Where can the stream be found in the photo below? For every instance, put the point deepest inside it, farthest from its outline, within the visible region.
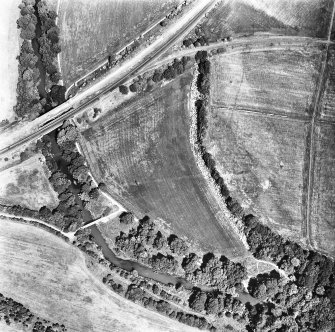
(147, 272)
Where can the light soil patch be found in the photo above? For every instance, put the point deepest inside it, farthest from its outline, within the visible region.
(261, 159)
(323, 204)
(88, 27)
(143, 154)
(280, 81)
(10, 328)
(27, 184)
(50, 277)
(9, 50)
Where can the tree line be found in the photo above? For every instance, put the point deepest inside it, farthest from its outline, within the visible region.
(37, 24)
(15, 313)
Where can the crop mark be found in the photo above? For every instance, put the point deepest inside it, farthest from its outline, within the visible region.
(306, 225)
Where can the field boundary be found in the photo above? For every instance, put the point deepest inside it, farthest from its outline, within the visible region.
(311, 143)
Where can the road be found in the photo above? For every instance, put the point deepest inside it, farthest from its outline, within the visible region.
(306, 227)
(9, 141)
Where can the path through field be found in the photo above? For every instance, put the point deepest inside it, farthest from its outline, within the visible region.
(312, 138)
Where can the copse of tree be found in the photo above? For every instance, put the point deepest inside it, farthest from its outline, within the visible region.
(177, 245)
(197, 300)
(126, 218)
(27, 21)
(13, 312)
(265, 285)
(123, 89)
(134, 87)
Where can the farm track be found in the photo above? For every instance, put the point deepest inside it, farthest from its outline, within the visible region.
(306, 226)
(71, 107)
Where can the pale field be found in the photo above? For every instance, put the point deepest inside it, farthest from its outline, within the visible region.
(288, 17)
(11, 328)
(50, 277)
(261, 159)
(279, 81)
(323, 205)
(27, 184)
(9, 50)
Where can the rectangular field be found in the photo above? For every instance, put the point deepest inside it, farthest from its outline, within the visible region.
(323, 207)
(281, 82)
(88, 27)
(142, 152)
(51, 279)
(27, 184)
(261, 158)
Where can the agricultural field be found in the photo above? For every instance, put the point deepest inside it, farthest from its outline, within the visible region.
(27, 184)
(9, 49)
(285, 17)
(143, 154)
(261, 158)
(323, 206)
(88, 27)
(51, 279)
(283, 82)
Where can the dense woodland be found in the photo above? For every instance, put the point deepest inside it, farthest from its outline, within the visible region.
(69, 178)
(37, 89)
(14, 313)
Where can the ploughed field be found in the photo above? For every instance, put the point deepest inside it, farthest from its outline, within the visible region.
(259, 124)
(143, 154)
(245, 17)
(88, 27)
(51, 279)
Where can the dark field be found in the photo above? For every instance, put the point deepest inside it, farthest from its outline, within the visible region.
(87, 27)
(323, 206)
(261, 158)
(142, 152)
(291, 17)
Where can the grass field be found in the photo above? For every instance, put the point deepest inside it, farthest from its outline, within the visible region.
(87, 27)
(27, 185)
(261, 158)
(142, 152)
(289, 17)
(323, 206)
(50, 277)
(281, 81)
(9, 50)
